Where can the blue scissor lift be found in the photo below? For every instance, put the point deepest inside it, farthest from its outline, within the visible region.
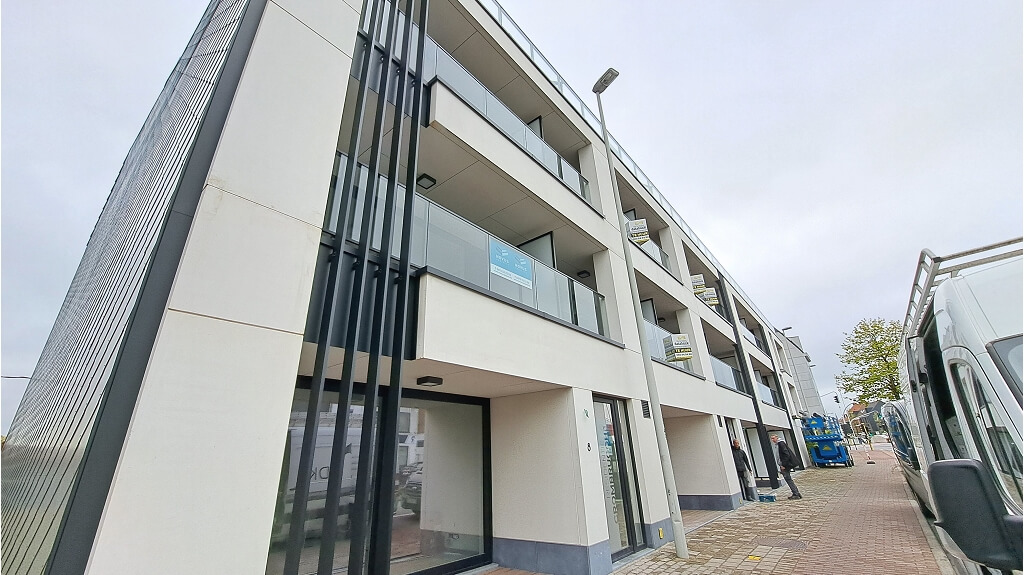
(824, 437)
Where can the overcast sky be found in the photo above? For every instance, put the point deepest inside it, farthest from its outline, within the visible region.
(815, 147)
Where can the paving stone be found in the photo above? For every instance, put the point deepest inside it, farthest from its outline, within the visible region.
(856, 515)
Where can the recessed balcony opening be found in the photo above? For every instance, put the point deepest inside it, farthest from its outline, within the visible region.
(634, 207)
(701, 270)
(724, 364)
(659, 308)
(766, 383)
(472, 210)
(472, 48)
(660, 311)
(750, 328)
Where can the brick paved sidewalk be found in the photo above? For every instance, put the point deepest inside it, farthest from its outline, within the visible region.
(850, 520)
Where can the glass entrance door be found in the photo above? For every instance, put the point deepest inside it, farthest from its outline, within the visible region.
(618, 476)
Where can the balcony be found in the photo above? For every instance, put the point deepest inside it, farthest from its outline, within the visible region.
(462, 250)
(448, 243)
(749, 335)
(652, 249)
(655, 336)
(726, 375)
(438, 64)
(769, 395)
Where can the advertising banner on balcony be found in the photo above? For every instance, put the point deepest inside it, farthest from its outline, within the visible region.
(710, 296)
(638, 231)
(511, 264)
(677, 347)
(698, 284)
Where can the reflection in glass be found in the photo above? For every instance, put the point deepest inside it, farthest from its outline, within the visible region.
(456, 246)
(318, 483)
(439, 509)
(614, 511)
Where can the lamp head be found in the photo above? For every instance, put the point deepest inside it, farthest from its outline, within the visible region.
(605, 80)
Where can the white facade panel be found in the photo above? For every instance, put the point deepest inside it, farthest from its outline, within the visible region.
(538, 490)
(460, 326)
(246, 263)
(196, 485)
(699, 456)
(277, 148)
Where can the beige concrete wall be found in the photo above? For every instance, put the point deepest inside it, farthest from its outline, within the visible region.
(452, 492)
(701, 462)
(460, 326)
(194, 490)
(651, 480)
(546, 483)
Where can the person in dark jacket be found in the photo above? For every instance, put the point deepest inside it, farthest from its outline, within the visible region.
(787, 462)
(742, 468)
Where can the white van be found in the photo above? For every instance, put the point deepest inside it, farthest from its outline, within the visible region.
(961, 413)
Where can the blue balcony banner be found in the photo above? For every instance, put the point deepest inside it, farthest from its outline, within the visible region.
(511, 264)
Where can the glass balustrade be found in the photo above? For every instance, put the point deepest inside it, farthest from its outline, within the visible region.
(473, 92)
(444, 241)
(438, 63)
(459, 248)
(768, 395)
(754, 339)
(726, 374)
(655, 336)
(652, 249)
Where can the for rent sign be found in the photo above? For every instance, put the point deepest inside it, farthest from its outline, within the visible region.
(511, 264)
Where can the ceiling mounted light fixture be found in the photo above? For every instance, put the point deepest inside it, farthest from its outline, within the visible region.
(429, 381)
(426, 182)
(583, 274)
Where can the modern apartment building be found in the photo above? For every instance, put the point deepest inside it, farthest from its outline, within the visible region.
(358, 301)
(808, 397)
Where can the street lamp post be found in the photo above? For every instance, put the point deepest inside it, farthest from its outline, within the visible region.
(678, 534)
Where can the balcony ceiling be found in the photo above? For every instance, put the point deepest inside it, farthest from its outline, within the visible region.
(458, 379)
(756, 363)
(631, 200)
(665, 304)
(478, 191)
(718, 343)
(454, 31)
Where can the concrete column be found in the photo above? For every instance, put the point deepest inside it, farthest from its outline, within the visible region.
(702, 463)
(594, 167)
(613, 282)
(548, 499)
(673, 246)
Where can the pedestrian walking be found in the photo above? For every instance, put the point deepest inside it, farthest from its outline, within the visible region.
(787, 462)
(739, 457)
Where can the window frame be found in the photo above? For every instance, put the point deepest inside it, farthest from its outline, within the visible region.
(970, 413)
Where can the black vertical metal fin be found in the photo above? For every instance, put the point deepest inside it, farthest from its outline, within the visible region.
(355, 318)
(297, 527)
(762, 431)
(380, 552)
(382, 292)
